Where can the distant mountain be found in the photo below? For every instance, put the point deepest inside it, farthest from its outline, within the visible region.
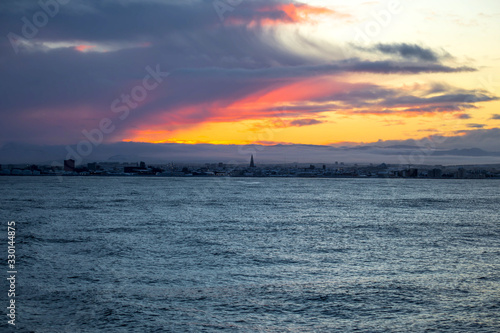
(17, 153)
(402, 147)
(123, 158)
(466, 152)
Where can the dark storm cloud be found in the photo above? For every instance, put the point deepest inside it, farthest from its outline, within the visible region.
(411, 51)
(476, 125)
(395, 67)
(380, 100)
(460, 99)
(353, 65)
(305, 122)
(94, 20)
(407, 51)
(484, 139)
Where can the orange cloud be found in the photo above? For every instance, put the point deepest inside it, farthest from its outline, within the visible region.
(283, 13)
(274, 101)
(299, 13)
(84, 48)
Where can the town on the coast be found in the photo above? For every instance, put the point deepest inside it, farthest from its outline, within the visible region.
(334, 170)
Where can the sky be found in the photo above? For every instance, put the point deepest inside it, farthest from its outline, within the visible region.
(85, 77)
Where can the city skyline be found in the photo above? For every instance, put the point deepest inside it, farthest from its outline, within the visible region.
(376, 81)
(295, 170)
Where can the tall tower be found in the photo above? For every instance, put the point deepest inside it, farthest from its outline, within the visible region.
(252, 164)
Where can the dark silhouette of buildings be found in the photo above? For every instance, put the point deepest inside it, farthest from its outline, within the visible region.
(252, 164)
(92, 166)
(461, 173)
(69, 165)
(435, 173)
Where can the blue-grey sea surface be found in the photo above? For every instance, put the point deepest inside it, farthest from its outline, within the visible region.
(139, 254)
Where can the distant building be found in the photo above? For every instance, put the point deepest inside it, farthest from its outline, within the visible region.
(413, 173)
(130, 169)
(92, 166)
(142, 165)
(252, 164)
(435, 173)
(461, 173)
(69, 165)
(409, 173)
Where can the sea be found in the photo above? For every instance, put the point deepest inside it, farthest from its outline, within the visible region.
(139, 254)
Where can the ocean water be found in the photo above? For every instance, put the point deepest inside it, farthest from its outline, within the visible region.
(254, 255)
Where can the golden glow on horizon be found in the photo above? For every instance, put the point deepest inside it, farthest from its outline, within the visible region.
(336, 128)
(262, 118)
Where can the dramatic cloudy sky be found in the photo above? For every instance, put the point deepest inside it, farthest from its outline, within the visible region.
(240, 72)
